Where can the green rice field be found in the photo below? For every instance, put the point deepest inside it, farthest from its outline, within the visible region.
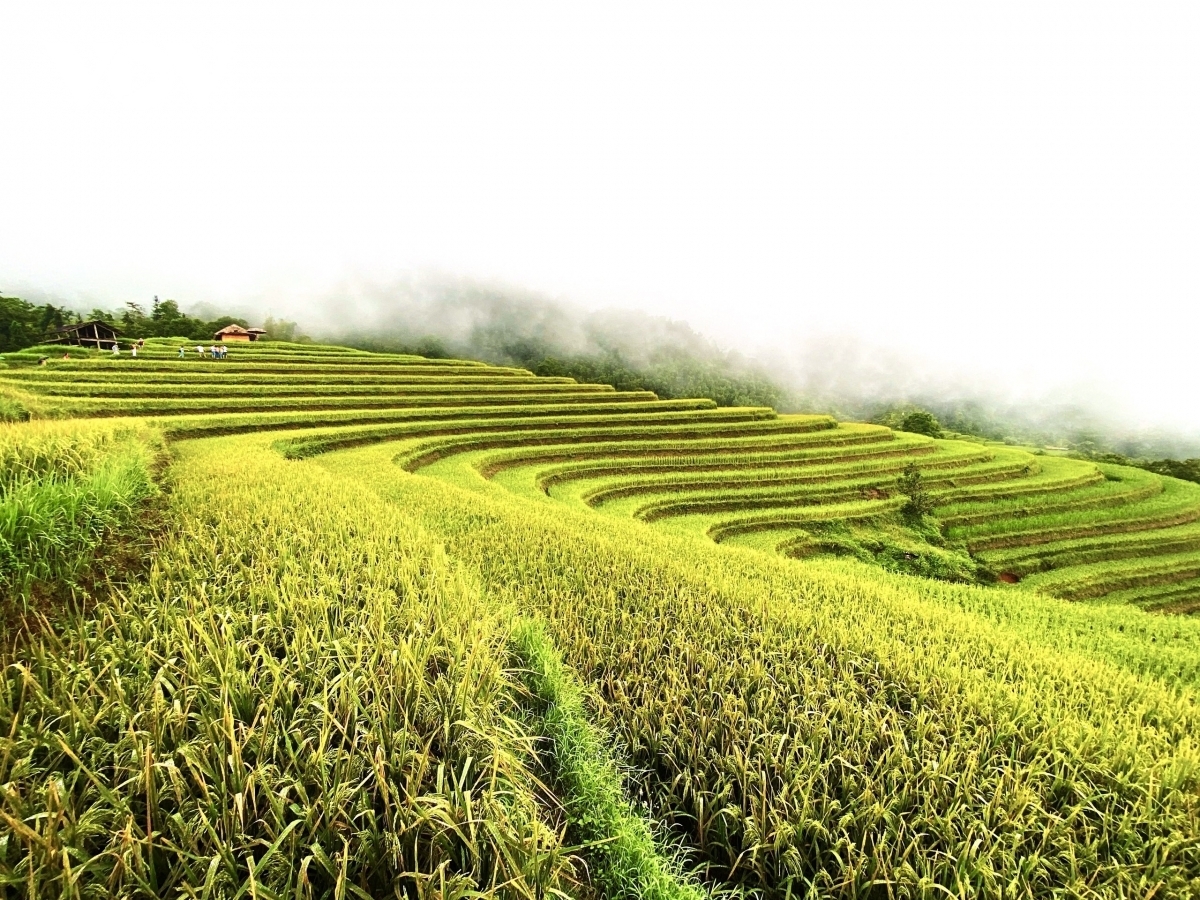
(317, 622)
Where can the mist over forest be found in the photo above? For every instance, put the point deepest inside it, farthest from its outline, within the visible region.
(502, 324)
(445, 316)
(507, 326)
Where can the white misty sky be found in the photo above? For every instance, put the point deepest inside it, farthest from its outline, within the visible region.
(1008, 190)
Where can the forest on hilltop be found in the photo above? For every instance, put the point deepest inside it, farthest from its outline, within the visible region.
(24, 324)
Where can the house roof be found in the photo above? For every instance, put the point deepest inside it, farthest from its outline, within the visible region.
(256, 331)
(66, 329)
(233, 329)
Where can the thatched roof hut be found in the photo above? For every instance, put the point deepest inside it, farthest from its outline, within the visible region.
(231, 333)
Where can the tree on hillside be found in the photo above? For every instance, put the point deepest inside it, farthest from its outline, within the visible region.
(168, 321)
(22, 324)
(134, 322)
(919, 503)
(1187, 469)
(921, 422)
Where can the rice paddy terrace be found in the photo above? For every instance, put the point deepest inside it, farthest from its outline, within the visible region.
(433, 628)
(1069, 528)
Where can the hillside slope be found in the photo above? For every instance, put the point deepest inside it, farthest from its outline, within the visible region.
(796, 484)
(319, 682)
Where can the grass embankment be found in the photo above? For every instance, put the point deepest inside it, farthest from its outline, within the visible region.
(629, 860)
(66, 488)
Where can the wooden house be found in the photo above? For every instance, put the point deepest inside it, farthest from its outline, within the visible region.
(86, 334)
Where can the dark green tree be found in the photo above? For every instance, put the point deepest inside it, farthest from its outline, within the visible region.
(134, 322)
(168, 321)
(1187, 469)
(22, 324)
(919, 503)
(921, 422)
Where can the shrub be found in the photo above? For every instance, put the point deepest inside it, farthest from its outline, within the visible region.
(919, 503)
(921, 422)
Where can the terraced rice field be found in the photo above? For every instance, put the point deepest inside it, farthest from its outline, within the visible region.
(795, 723)
(1075, 529)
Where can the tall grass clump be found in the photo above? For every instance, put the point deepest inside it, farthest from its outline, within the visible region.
(64, 488)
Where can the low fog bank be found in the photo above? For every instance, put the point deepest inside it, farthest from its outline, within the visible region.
(508, 326)
(840, 374)
(845, 375)
(501, 323)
